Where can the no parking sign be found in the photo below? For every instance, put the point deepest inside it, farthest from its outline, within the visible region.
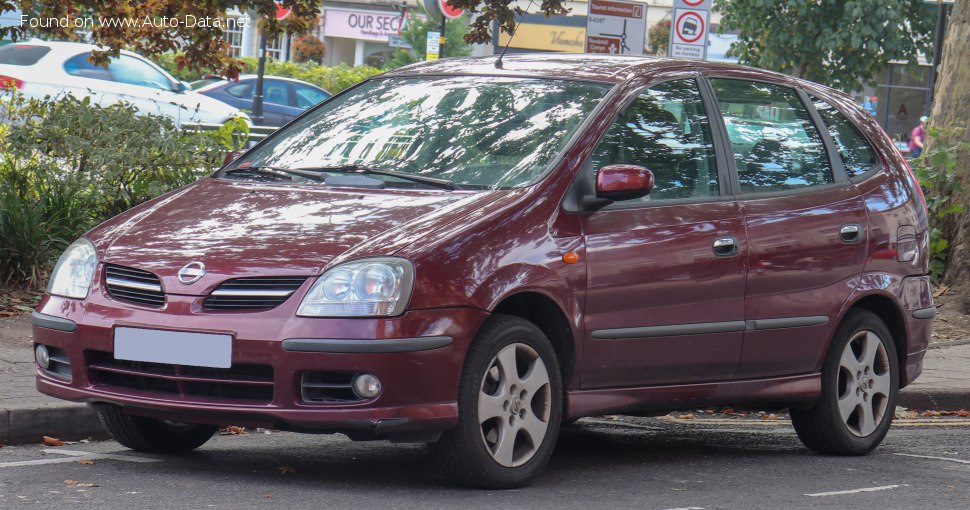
(689, 29)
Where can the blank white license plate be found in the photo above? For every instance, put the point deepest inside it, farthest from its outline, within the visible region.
(174, 347)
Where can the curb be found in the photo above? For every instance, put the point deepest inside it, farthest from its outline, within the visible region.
(66, 422)
(934, 399)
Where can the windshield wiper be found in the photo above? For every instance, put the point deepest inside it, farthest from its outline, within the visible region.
(365, 170)
(276, 172)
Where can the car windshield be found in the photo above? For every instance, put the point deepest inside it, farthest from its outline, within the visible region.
(474, 131)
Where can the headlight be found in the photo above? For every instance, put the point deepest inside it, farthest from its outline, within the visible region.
(74, 270)
(363, 288)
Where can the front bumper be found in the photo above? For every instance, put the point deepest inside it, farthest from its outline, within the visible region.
(417, 357)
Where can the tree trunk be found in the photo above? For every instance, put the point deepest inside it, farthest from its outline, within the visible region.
(951, 107)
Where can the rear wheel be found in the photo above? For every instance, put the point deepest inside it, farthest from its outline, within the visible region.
(860, 380)
(151, 435)
(509, 408)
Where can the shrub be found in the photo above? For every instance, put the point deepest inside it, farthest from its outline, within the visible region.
(935, 169)
(334, 79)
(67, 164)
(308, 48)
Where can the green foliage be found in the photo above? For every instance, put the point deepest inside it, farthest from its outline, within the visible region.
(841, 43)
(334, 79)
(416, 34)
(659, 37)
(934, 170)
(67, 164)
(308, 48)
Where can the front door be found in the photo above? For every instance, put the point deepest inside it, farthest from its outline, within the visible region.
(666, 273)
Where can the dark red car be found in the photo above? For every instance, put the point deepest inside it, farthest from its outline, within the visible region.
(469, 255)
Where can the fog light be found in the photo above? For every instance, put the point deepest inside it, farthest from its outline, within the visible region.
(43, 357)
(367, 386)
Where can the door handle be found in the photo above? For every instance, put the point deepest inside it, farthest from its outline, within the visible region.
(850, 233)
(726, 246)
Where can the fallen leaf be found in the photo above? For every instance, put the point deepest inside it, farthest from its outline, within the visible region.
(963, 413)
(286, 470)
(680, 489)
(71, 482)
(52, 441)
(86, 462)
(232, 430)
(769, 417)
(688, 417)
(931, 413)
(86, 485)
(951, 488)
(729, 410)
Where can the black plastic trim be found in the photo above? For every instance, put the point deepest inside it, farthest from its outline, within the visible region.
(347, 345)
(50, 322)
(786, 322)
(704, 328)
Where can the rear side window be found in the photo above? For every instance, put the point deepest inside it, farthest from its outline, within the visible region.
(78, 65)
(857, 155)
(241, 90)
(776, 146)
(22, 54)
(307, 97)
(666, 130)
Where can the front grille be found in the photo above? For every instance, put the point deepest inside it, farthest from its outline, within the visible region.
(245, 383)
(251, 294)
(328, 387)
(133, 285)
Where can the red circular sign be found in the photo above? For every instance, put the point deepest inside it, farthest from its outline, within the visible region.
(282, 12)
(449, 11)
(693, 3)
(680, 29)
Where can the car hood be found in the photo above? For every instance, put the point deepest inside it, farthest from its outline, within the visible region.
(245, 229)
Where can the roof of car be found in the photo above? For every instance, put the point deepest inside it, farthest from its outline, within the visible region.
(221, 81)
(577, 66)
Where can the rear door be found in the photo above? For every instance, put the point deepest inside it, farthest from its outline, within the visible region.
(805, 222)
(665, 273)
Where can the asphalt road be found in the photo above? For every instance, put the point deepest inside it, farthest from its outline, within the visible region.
(604, 463)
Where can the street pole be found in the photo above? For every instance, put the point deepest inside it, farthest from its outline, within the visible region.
(937, 50)
(441, 38)
(258, 93)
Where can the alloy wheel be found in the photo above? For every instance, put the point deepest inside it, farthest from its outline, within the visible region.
(864, 383)
(514, 405)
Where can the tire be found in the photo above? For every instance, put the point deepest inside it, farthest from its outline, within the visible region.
(150, 435)
(494, 444)
(860, 381)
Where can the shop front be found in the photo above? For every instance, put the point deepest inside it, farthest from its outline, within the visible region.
(358, 36)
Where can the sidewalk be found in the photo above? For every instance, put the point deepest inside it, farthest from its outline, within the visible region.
(26, 415)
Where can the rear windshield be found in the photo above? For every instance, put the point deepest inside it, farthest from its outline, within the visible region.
(476, 131)
(22, 54)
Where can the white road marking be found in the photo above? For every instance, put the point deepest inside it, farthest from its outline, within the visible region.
(961, 461)
(687, 508)
(74, 456)
(856, 491)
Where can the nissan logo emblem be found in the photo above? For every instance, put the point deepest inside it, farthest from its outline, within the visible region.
(191, 273)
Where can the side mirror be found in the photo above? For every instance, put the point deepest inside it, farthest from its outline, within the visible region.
(623, 182)
(181, 87)
(232, 156)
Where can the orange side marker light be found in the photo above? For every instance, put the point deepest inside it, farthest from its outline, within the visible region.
(570, 257)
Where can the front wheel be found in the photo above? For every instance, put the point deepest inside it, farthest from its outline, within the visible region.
(860, 379)
(150, 435)
(509, 408)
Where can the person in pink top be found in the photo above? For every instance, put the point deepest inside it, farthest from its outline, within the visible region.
(918, 137)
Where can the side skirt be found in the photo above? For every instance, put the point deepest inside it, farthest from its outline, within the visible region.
(798, 390)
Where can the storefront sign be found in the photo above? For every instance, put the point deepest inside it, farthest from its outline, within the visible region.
(615, 26)
(533, 36)
(366, 25)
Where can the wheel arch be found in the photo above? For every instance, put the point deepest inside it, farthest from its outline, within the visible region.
(541, 310)
(885, 307)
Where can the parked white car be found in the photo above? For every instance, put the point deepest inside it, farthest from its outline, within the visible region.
(43, 68)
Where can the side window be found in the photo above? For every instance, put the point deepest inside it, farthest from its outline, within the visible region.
(776, 147)
(666, 130)
(308, 97)
(78, 65)
(276, 92)
(133, 71)
(242, 90)
(857, 155)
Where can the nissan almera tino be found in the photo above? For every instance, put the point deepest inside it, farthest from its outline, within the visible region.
(469, 255)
